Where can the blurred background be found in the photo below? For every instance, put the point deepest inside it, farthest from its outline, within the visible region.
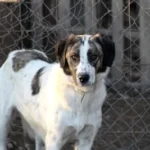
(41, 23)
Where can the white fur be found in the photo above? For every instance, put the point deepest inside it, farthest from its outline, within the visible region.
(61, 111)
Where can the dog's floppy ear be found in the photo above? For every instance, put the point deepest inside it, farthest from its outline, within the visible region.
(61, 49)
(108, 48)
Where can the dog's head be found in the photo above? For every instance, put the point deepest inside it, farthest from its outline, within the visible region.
(85, 56)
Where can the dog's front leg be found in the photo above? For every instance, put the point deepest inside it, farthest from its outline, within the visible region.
(86, 138)
(38, 143)
(53, 141)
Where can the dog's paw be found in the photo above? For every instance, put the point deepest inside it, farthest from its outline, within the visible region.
(21, 148)
(27, 147)
(12, 145)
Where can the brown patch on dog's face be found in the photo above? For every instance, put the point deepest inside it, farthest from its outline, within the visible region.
(73, 57)
(67, 52)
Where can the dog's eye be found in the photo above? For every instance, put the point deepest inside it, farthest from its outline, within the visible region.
(94, 57)
(74, 57)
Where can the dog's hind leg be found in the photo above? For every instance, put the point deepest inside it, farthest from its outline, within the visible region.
(5, 115)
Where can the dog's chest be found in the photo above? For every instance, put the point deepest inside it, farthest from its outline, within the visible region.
(81, 115)
(82, 110)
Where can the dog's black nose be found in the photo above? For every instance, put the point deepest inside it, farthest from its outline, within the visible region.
(83, 77)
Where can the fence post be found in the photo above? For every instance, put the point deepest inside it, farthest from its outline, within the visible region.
(117, 35)
(145, 42)
(90, 17)
(37, 14)
(63, 17)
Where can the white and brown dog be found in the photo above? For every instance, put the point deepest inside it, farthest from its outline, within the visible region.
(61, 101)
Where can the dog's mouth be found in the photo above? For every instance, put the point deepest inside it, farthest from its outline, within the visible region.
(85, 87)
(86, 84)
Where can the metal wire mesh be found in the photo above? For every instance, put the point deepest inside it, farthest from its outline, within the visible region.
(41, 23)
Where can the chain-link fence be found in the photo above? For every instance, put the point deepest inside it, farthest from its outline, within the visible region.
(41, 23)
